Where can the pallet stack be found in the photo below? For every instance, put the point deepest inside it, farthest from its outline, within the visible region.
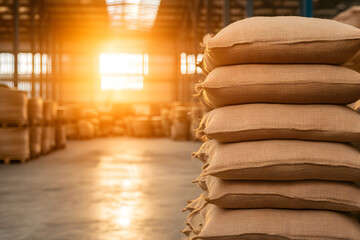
(277, 158)
(72, 118)
(35, 115)
(60, 130)
(180, 124)
(14, 131)
(49, 124)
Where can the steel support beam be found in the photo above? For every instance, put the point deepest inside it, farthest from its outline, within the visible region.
(226, 13)
(41, 50)
(60, 75)
(249, 8)
(16, 41)
(32, 16)
(306, 8)
(48, 59)
(208, 7)
(53, 66)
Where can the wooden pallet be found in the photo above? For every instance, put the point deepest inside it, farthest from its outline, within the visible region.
(13, 159)
(11, 124)
(59, 147)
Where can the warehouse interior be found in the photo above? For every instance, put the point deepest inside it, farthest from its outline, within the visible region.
(116, 83)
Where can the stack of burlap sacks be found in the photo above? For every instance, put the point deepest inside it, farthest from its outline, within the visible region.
(165, 121)
(73, 116)
(87, 124)
(49, 126)
(277, 158)
(180, 125)
(35, 113)
(60, 130)
(14, 133)
(196, 113)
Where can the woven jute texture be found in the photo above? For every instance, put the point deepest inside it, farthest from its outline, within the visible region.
(35, 140)
(279, 83)
(46, 139)
(13, 107)
(35, 110)
(258, 121)
(14, 143)
(311, 194)
(282, 40)
(273, 224)
(280, 160)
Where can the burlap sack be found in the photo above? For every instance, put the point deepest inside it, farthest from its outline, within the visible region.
(49, 111)
(85, 129)
(35, 110)
(279, 83)
(352, 17)
(141, 127)
(180, 113)
(312, 194)
(280, 160)
(197, 203)
(73, 113)
(62, 114)
(87, 113)
(53, 136)
(60, 135)
(274, 224)
(180, 130)
(281, 121)
(13, 106)
(72, 130)
(282, 40)
(46, 140)
(35, 140)
(14, 143)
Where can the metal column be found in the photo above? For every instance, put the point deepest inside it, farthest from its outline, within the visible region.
(60, 76)
(53, 66)
(48, 57)
(226, 13)
(249, 8)
(32, 16)
(16, 41)
(208, 7)
(41, 50)
(306, 8)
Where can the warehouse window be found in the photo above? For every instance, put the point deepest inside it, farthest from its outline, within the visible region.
(25, 63)
(191, 64)
(199, 58)
(183, 63)
(6, 63)
(37, 63)
(188, 63)
(121, 71)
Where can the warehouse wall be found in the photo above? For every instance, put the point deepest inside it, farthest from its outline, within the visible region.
(79, 80)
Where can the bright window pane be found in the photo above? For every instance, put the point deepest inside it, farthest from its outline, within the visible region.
(6, 63)
(122, 82)
(25, 63)
(183, 63)
(191, 66)
(121, 63)
(37, 63)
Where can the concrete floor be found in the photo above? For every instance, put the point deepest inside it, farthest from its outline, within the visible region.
(101, 189)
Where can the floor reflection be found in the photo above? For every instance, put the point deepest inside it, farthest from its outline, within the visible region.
(121, 184)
